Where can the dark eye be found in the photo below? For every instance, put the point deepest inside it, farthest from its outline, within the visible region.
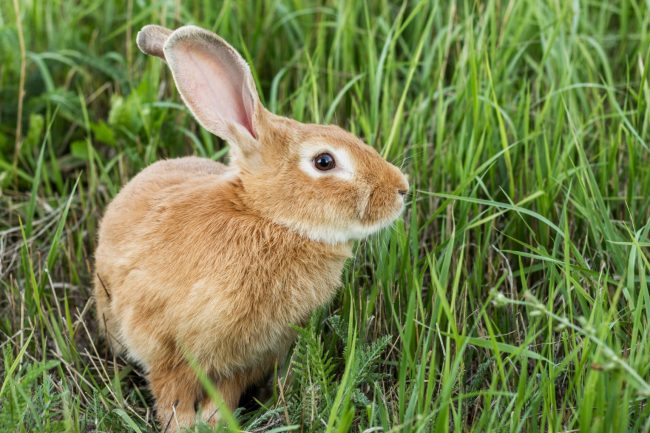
(324, 162)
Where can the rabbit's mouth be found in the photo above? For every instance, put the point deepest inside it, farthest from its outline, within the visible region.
(345, 231)
(358, 231)
(386, 220)
(381, 208)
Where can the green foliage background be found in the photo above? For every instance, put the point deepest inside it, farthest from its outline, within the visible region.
(512, 297)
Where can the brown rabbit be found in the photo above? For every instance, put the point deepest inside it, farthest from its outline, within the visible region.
(201, 260)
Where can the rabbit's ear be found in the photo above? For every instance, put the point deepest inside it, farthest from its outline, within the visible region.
(151, 40)
(215, 83)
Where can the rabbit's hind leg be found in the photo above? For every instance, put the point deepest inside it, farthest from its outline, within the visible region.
(176, 391)
(231, 388)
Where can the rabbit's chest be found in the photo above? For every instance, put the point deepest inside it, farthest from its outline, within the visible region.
(276, 299)
(280, 284)
(249, 309)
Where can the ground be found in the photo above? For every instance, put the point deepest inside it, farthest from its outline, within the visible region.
(513, 296)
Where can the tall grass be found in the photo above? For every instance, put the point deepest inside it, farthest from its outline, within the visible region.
(514, 295)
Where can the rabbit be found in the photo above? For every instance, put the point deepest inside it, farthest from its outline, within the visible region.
(214, 263)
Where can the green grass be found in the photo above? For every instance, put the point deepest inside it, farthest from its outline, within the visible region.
(513, 297)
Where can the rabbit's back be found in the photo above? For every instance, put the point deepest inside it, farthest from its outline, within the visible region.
(127, 214)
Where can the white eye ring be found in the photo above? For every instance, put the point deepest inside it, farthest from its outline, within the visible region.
(343, 166)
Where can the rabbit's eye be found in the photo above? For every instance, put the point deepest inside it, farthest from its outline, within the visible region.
(324, 162)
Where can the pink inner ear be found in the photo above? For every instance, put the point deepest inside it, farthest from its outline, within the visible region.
(213, 83)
